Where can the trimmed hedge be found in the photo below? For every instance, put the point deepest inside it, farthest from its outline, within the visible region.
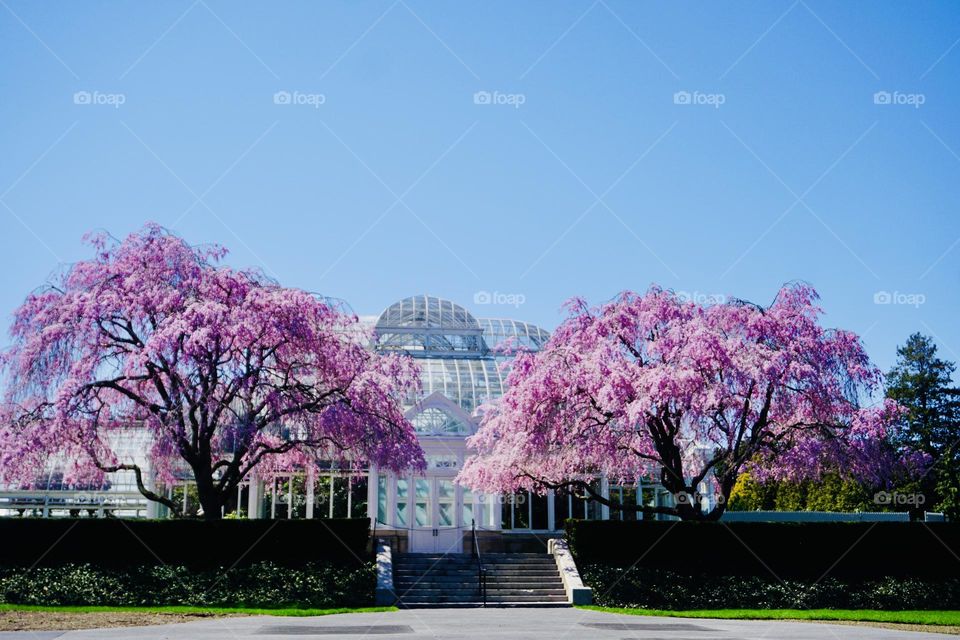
(788, 551)
(261, 585)
(191, 544)
(616, 586)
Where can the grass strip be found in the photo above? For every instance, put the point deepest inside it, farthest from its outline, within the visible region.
(940, 618)
(197, 611)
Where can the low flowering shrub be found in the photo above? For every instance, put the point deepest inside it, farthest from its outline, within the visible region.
(617, 586)
(260, 585)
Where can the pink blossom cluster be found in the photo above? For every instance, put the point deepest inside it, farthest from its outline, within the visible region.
(653, 386)
(224, 369)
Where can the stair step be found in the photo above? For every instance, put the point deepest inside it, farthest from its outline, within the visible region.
(526, 586)
(476, 598)
(426, 554)
(553, 584)
(531, 571)
(427, 593)
(450, 580)
(454, 577)
(473, 568)
(475, 605)
(490, 573)
(436, 578)
(471, 559)
(473, 563)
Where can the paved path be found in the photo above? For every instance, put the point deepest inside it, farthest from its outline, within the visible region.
(486, 624)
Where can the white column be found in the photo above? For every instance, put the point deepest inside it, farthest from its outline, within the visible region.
(551, 511)
(152, 507)
(253, 497)
(605, 492)
(349, 495)
(393, 499)
(372, 477)
(290, 497)
(640, 502)
(497, 510)
(273, 498)
(331, 495)
(311, 478)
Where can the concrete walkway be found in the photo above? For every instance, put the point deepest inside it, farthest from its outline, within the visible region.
(485, 624)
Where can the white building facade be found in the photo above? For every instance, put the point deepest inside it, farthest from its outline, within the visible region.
(460, 370)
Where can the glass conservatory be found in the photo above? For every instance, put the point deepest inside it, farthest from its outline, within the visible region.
(460, 359)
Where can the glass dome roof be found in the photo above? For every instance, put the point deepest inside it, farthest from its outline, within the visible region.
(427, 312)
(454, 350)
(426, 326)
(503, 332)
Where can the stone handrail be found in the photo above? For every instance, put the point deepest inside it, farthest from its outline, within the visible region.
(385, 595)
(577, 592)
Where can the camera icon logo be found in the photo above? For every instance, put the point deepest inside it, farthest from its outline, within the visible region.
(82, 97)
(882, 97)
(482, 97)
(882, 297)
(281, 97)
(482, 297)
(681, 97)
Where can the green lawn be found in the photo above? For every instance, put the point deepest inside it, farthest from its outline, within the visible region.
(196, 610)
(942, 618)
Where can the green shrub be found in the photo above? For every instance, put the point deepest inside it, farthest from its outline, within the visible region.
(616, 586)
(263, 585)
(830, 493)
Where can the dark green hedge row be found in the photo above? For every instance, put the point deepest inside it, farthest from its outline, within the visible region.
(189, 543)
(655, 589)
(800, 551)
(263, 585)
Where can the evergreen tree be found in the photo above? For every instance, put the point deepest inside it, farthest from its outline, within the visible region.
(922, 383)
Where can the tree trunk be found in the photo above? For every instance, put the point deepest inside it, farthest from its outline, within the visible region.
(207, 494)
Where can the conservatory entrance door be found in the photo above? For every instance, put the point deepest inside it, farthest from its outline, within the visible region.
(435, 511)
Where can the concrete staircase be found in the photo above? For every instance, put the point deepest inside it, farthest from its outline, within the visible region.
(513, 580)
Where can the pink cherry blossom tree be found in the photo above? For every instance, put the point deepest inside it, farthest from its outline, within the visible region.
(223, 370)
(652, 386)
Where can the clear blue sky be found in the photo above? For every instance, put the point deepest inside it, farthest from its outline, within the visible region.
(400, 183)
